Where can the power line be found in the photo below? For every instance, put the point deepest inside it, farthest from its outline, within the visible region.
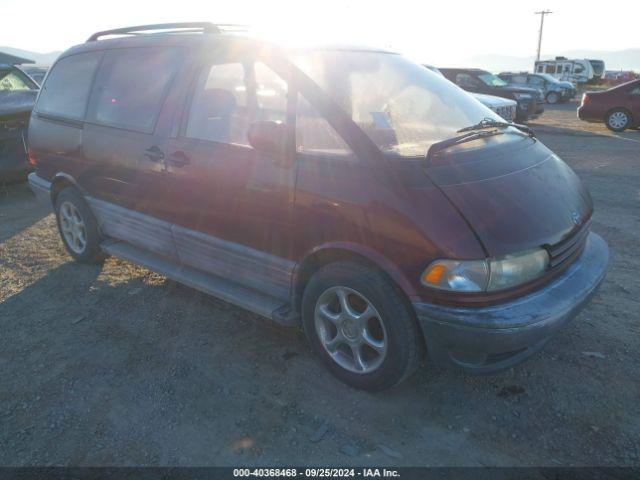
(542, 14)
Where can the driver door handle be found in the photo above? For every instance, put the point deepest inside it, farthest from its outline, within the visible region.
(154, 154)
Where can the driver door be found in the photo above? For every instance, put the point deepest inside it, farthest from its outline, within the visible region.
(231, 204)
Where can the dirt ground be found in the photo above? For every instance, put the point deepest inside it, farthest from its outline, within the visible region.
(115, 365)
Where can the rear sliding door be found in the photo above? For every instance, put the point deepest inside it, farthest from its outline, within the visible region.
(125, 144)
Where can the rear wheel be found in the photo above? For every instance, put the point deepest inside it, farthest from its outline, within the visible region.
(618, 120)
(78, 227)
(358, 324)
(552, 97)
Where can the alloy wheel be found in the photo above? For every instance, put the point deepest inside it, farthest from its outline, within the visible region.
(73, 227)
(351, 330)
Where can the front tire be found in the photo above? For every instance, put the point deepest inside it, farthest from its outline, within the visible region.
(618, 120)
(78, 227)
(359, 325)
(552, 98)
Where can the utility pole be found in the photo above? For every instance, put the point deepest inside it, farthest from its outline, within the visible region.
(542, 14)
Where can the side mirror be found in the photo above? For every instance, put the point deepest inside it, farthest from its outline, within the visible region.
(268, 137)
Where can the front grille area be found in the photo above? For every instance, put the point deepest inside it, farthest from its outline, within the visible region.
(566, 250)
(507, 112)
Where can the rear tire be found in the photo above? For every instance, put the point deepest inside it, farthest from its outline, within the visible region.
(375, 321)
(78, 227)
(618, 120)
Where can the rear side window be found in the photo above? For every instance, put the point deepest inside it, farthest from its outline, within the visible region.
(67, 87)
(131, 86)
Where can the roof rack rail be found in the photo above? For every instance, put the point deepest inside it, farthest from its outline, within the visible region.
(182, 27)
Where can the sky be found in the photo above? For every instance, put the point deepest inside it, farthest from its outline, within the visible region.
(443, 32)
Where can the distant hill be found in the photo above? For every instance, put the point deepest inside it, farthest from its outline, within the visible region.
(618, 60)
(45, 59)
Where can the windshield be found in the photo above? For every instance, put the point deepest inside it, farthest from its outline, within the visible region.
(549, 78)
(401, 106)
(492, 80)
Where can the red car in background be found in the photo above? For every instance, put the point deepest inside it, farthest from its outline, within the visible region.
(618, 107)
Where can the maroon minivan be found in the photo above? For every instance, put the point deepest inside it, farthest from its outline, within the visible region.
(348, 190)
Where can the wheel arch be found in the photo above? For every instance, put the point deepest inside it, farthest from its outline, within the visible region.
(346, 251)
(626, 110)
(59, 182)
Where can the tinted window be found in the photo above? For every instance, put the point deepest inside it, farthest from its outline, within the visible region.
(66, 89)
(230, 96)
(131, 86)
(314, 134)
(519, 79)
(635, 91)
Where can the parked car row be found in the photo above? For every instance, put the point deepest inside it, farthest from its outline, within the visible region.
(504, 107)
(529, 100)
(554, 90)
(346, 190)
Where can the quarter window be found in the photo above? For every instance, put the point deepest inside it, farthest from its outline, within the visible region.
(230, 96)
(66, 89)
(131, 86)
(314, 134)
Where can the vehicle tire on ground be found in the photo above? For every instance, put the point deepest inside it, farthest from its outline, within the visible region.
(357, 322)
(78, 227)
(618, 119)
(553, 98)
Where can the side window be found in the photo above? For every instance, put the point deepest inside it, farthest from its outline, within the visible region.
(66, 89)
(536, 80)
(230, 96)
(314, 134)
(519, 79)
(635, 91)
(131, 86)
(12, 82)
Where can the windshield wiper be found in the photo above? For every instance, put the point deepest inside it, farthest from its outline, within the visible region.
(465, 137)
(491, 123)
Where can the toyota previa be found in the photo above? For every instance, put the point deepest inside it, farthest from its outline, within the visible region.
(346, 190)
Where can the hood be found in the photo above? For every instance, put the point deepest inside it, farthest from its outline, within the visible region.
(492, 101)
(566, 84)
(17, 102)
(513, 191)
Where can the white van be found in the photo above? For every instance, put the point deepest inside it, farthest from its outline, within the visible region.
(573, 70)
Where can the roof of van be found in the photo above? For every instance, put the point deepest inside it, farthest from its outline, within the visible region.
(195, 40)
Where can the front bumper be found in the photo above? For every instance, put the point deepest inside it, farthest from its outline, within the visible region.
(490, 339)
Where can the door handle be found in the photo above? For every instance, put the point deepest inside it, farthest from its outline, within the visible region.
(154, 154)
(179, 159)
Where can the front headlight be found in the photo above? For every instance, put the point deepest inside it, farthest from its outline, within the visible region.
(491, 274)
(522, 96)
